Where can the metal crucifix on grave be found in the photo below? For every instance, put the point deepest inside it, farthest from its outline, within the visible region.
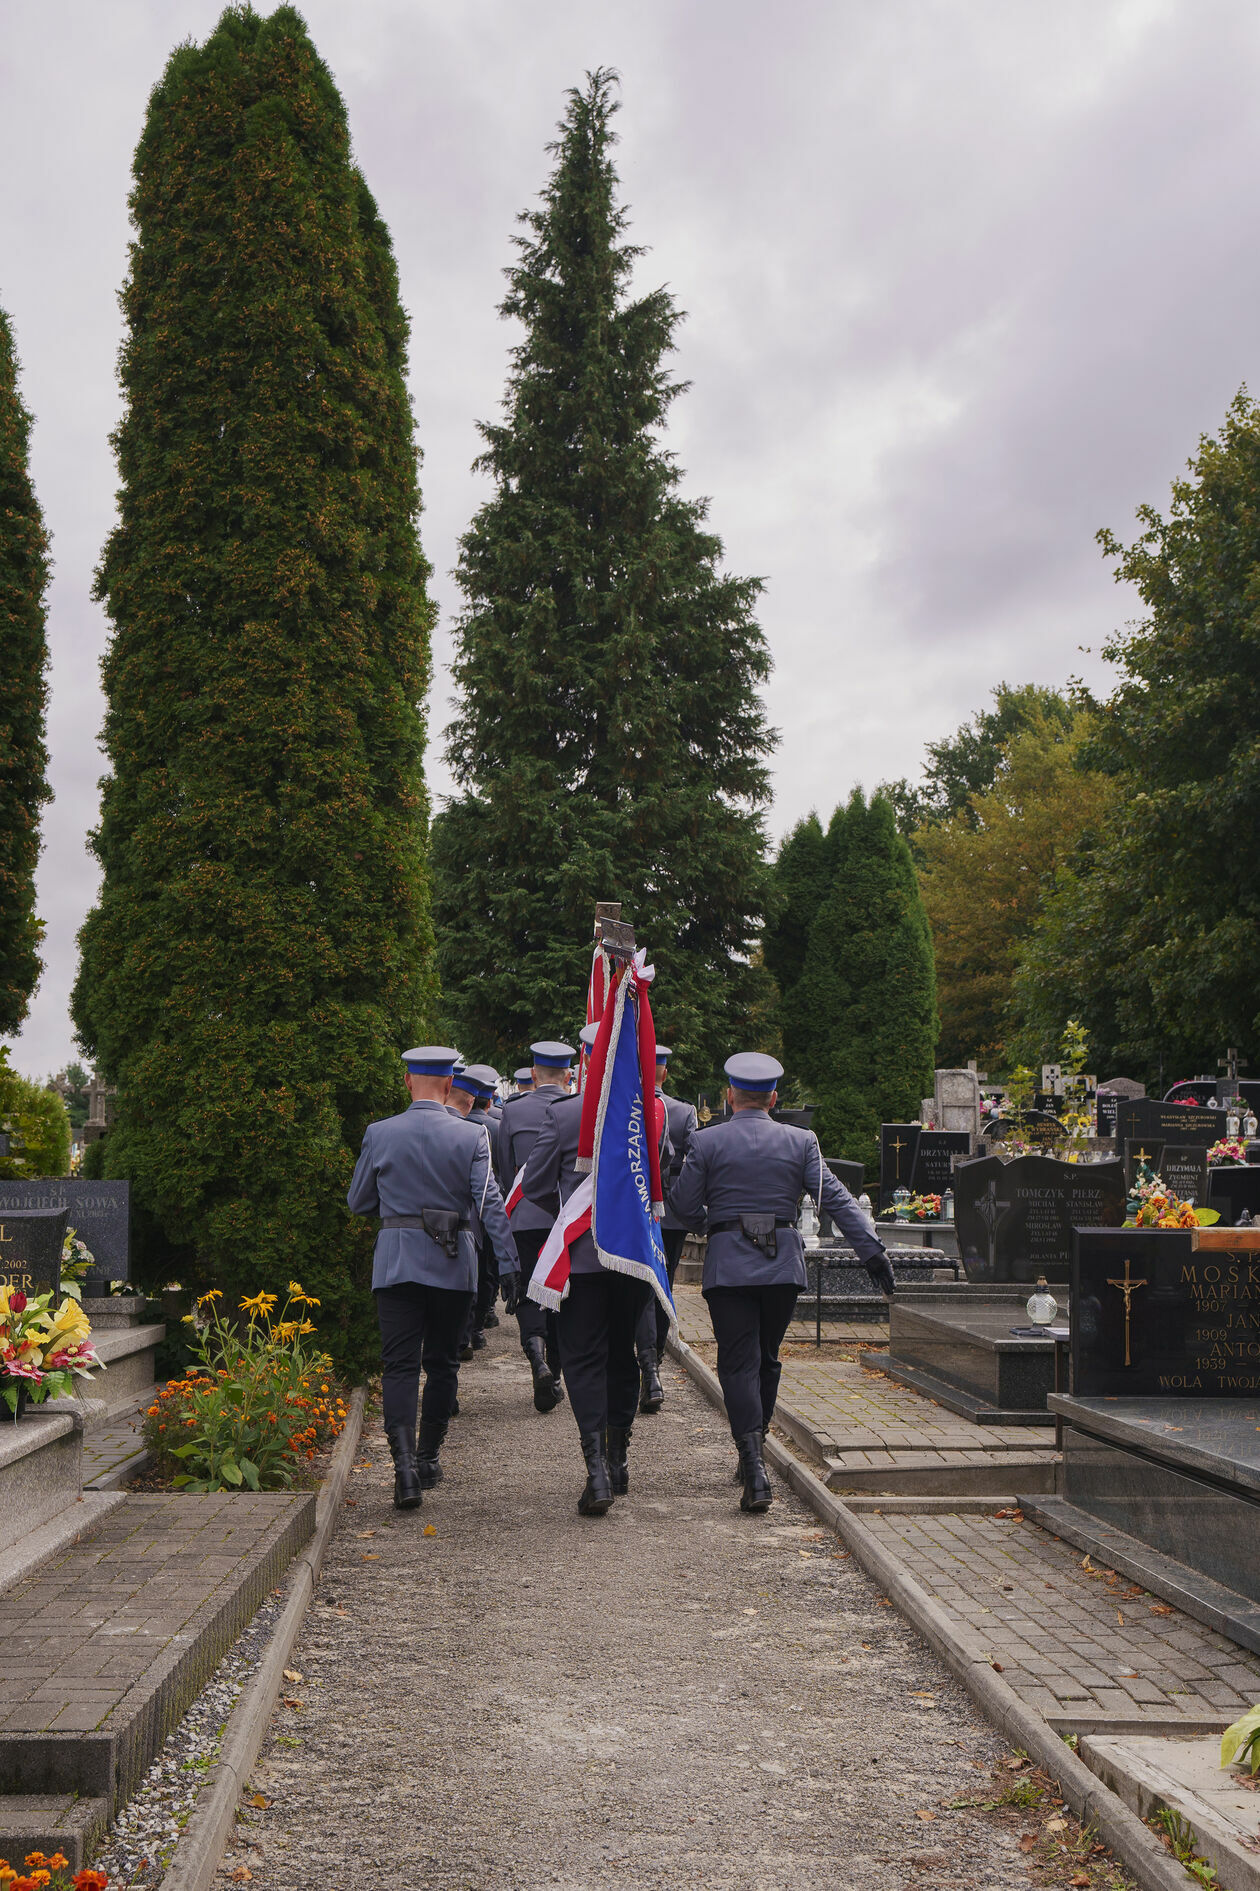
(1128, 1287)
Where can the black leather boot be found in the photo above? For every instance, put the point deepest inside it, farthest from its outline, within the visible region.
(598, 1495)
(545, 1399)
(491, 1319)
(406, 1477)
(552, 1355)
(428, 1468)
(757, 1492)
(739, 1468)
(651, 1391)
(478, 1339)
(618, 1459)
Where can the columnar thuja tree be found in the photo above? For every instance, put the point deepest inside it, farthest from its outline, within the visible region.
(609, 739)
(801, 879)
(23, 696)
(261, 949)
(863, 1012)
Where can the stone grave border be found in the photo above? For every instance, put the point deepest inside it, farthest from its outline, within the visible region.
(1090, 1799)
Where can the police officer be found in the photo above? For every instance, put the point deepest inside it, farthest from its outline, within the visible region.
(486, 1110)
(471, 1085)
(599, 1317)
(518, 1130)
(747, 1175)
(680, 1123)
(523, 1079)
(424, 1173)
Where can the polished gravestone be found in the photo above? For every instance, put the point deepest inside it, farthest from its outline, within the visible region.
(898, 1143)
(1161, 1432)
(31, 1240)
(1234, 1190)
(1040, 1127)
(1183, 1167)
(1015, 1219)
(934, 1158)
(973, 1351)
(99, 1213)
(1174, 1122)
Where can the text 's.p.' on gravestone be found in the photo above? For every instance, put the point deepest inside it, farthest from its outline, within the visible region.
(1015, 1219)
(933, 1170)
(31, 1241)
(1166, 1312)
(99, 1213)
(897, 1145)
(1174, 1122)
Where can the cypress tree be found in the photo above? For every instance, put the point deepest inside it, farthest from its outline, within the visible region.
(863, 1014)
(609, 738)
(800, 882)
(261, 950)
(23, 696)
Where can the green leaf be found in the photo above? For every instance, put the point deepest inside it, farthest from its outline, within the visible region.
(186, 1451)
(230, 1470)
(249, 1470)
(1240, 1735)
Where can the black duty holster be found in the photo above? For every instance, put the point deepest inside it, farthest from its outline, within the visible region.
(761, 1231)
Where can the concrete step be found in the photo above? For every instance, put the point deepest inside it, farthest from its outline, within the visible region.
(129, 1354)
(993, 1474)
(40, 1469)
(103, 1646)
(51, 1822)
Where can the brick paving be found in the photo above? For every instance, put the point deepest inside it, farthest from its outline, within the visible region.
(83, 1638)
(1070, 1642)
(862, 1420)
(114, 1451)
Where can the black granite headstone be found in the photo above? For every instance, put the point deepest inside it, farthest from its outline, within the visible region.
(1015, 1219)
(1156, 1311)
(1038, 1126)
(853, 1176)
(1232, 1188)
(31, 1240)
(1175, 1122)
(934, 1159)
(897, 1145)
(1202, 1090)
(99, 1213)
(1184, 1168)
(1108, 1104)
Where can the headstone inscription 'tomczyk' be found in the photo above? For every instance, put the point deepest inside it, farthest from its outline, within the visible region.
(99, 1213)
(1015, 1219)
(1166, 1312)
(31, 1240)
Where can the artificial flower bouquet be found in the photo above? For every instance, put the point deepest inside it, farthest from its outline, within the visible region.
(923, 1208)
(1228, 1149)
(76, 1261)
(1152, 1204)
(42, 1353)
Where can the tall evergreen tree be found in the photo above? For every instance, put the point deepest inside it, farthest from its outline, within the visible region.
(802, 877)
(863, 1013)
(261, 951)
(23, 696)
(609, 740)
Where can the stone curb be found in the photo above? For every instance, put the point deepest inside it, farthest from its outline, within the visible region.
(1089, 1799)
(205, 1838)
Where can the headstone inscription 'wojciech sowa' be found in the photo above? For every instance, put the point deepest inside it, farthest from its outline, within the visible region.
(1015, 1219)
(31, 1240)
(99, 1213)
(1162, 1312)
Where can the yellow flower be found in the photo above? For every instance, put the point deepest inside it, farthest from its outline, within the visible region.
(214, 1294)
(261, 1303)
(68, 1324)
(296, 1290)
(307, 1326)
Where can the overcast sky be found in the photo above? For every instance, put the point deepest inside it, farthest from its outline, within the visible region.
(964, 280)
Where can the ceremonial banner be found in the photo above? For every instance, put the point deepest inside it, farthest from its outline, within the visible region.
(626, 1194)
(514, 1193)
(549, 1282)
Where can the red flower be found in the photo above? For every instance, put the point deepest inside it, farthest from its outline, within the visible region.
(17, 1303)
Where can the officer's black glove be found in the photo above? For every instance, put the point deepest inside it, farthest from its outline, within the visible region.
(880, 1270)
(510, 1288)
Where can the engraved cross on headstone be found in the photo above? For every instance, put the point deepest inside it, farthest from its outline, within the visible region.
(990, 1211)
(1128, 1288)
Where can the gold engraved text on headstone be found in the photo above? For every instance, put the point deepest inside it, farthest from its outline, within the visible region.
(1128, 1288)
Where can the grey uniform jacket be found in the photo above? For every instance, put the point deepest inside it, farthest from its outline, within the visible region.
(519, 1125)
(478, 1120)
(426, 1158)
(753, 1165)
(550, 1175)
(681, 1125)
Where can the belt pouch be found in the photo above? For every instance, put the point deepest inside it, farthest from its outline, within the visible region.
(442, 1225)
(760, 1230)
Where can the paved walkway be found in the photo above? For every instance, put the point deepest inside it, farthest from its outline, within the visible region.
(114, 1452)
(675, 1694)
(863, 1421)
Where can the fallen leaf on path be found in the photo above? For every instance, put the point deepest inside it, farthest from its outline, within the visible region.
(289, 1701)
(1015, 1761)
(291, 1674)
(838, 1555)
(1080, 1882)
(1160, 1608)
(242, 1875)
(921, 1694)
(1087, 1566)
(1055, 1825)
(996, 1667)
(257, 1799)
(430, 1529)
(922, 1814)
(1120, 1618)
(365, 1533)
(351, 1503)
(1027, 1841)
(370, 1556)
(882, 1602)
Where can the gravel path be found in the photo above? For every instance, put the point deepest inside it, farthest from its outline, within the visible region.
(673, 1695)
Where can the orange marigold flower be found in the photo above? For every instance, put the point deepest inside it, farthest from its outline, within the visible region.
(58, 1861)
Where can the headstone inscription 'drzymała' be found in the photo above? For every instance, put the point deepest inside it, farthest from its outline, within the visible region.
(933, 1170)
(1166, 1313)
(1015, 1219)
(31, 1240)
(99, 1213)
(1182, 1167)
